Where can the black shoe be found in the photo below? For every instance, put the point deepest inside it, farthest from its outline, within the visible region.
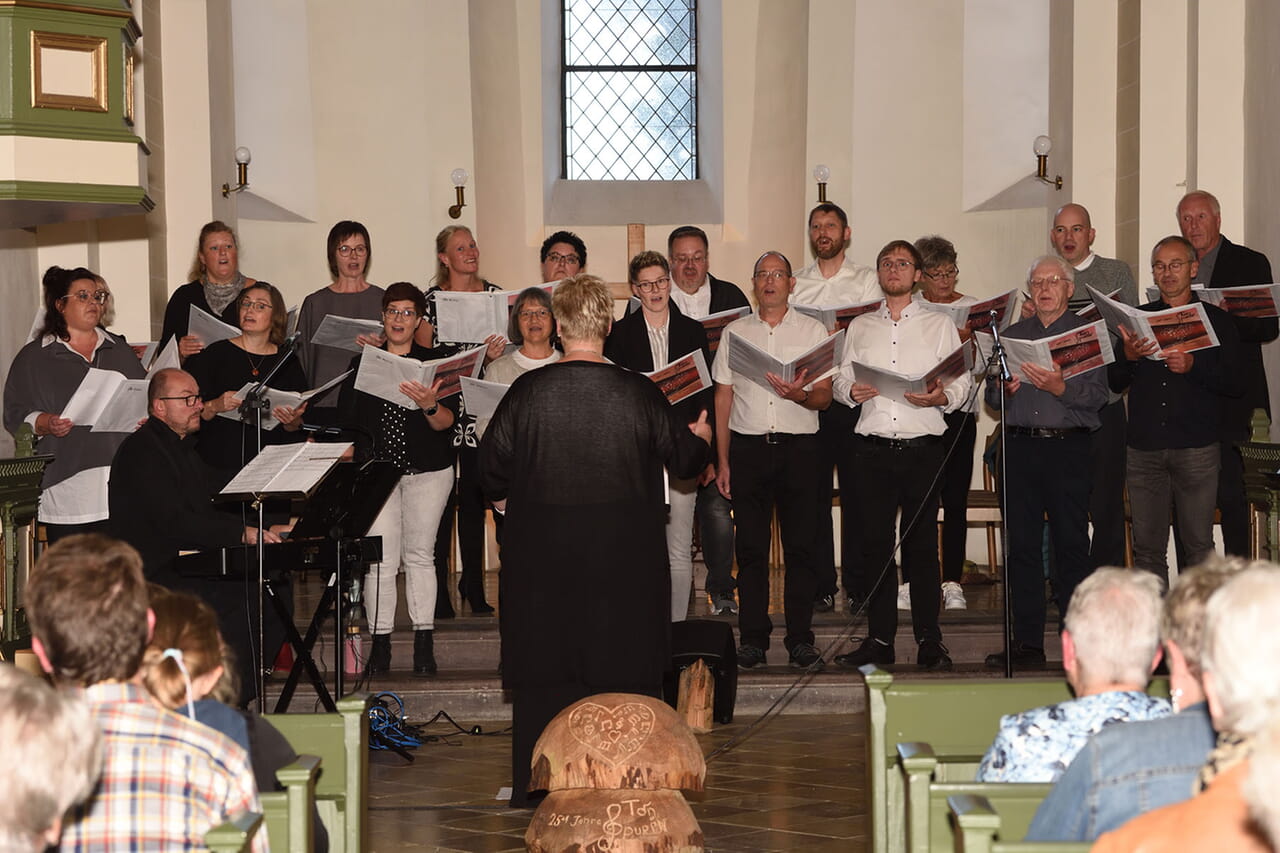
(1024, 657)
(424, 654)
(380, 654)
(857, 601)
(932, 657)
(871, 651)
(750, 656)
(805, 656)
(444, 607)
(824, 604)
(480, 608)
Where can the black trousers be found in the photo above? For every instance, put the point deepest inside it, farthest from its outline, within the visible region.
(1045, 476)
(1232, 503)
(835, 431)
(960, 437)
(763, 477)
(892, 480)
(468, 503)
(1106, 500)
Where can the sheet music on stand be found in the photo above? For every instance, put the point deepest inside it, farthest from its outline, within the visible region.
(285, 471)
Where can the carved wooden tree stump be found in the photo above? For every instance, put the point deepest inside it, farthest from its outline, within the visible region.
(696, 696)
(615, 764)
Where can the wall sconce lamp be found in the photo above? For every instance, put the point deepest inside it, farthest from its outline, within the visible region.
(459, 178)
(1043, 145)
(242, 173)
(821, 174)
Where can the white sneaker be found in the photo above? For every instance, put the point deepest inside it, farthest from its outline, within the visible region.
(904, 596)
(953, 596)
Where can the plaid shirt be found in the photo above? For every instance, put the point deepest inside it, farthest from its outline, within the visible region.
(166, 780)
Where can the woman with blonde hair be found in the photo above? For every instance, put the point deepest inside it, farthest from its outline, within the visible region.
(574, 455)
(214, 284)
(458, 271)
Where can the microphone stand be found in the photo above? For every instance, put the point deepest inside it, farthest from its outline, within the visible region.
(255, 403)
(998, 368)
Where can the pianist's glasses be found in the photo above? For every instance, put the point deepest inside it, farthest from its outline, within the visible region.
(189, 400)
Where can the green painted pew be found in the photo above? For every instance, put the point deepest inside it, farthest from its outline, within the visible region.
(981, 826)
(235, 835)
(341, 741)
(287, 813)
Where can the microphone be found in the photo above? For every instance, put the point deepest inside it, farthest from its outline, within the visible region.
(1005, 375)
(291, 342)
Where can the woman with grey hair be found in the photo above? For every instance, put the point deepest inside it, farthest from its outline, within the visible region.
(574, 456)
(532, 329)
(1241, 684)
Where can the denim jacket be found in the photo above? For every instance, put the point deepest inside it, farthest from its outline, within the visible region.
(1123, 771)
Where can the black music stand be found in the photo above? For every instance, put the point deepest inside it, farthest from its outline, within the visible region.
(344, 507)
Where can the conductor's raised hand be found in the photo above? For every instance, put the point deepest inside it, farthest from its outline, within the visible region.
(701, 428)
(935, 396)
(1136, 347)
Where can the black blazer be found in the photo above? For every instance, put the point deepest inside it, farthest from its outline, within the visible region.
(1239, 265)
(628, 346)
(725, 295)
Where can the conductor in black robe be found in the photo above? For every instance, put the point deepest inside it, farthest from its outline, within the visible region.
(574, 456)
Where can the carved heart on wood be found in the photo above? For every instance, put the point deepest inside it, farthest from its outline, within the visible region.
(616, 733)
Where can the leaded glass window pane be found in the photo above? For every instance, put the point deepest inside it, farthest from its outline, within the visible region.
(630, 90)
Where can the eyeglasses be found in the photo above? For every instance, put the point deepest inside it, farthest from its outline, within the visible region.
(656, 284)
(535, 314)
(1041, 283)
(889, 264)
(1174, 267)
(358, 251)
(250, 305)
(941, 275)
(690, 259)
(189, 400)
(392, 313)
(774, 275)
(98, 296)
(556, 258)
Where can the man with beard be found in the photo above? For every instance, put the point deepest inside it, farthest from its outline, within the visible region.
(1072, 236)
(698, 293)
(833, 279)
(1226, 264)
(898, 451)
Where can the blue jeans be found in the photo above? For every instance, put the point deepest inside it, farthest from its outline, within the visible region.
(1185, 478)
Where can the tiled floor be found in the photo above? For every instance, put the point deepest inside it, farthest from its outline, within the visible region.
(792, 783)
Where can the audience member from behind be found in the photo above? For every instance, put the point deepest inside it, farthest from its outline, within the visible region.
(166, 780)
(1242, 686)
(1126, 770)
(1110, 645)
(186, 669)
(50, 758)
(563, 255)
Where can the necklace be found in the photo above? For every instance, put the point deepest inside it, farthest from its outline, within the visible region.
(255, 367)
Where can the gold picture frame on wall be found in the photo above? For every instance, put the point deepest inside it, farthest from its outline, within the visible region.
(128, 84)
(74, 84)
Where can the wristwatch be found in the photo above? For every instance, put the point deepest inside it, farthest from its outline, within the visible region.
(435, 407)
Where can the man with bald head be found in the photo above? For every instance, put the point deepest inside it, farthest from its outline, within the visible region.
(1072, 237)
(160, 496)
(1222, 263)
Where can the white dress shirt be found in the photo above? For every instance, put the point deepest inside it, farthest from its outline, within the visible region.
(694, 305)
(910, 345)
(757, 411)
(852, 283)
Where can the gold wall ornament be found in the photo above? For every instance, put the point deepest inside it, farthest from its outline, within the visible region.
(56, 60)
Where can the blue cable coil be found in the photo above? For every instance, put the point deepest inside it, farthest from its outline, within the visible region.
(387, 726)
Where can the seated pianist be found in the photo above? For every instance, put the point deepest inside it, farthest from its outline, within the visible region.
(160, 498)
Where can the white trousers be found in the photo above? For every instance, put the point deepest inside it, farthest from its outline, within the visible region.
(407, 525)
(683, 495)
